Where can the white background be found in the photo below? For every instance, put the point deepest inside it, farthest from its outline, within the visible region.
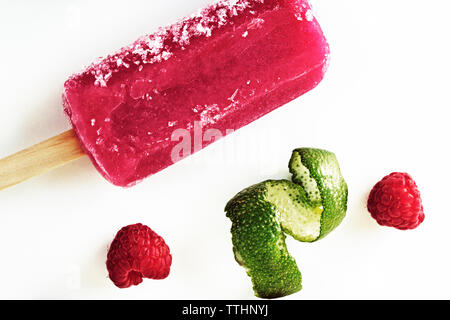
(382, 107)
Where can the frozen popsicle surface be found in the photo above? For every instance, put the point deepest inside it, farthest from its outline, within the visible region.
(223, 67)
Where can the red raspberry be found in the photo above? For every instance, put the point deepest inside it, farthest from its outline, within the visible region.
(395, 202)
(135, 253)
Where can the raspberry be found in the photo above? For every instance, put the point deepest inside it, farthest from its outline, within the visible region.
(395, 202)
(135, 253)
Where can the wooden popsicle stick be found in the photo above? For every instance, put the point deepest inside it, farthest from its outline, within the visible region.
(39, 158)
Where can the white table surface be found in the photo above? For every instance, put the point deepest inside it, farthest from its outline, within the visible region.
(382, 107)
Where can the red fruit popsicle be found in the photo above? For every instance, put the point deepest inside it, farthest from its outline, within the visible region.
(223, 67)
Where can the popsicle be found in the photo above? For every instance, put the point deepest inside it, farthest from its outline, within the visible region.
(221, 68)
